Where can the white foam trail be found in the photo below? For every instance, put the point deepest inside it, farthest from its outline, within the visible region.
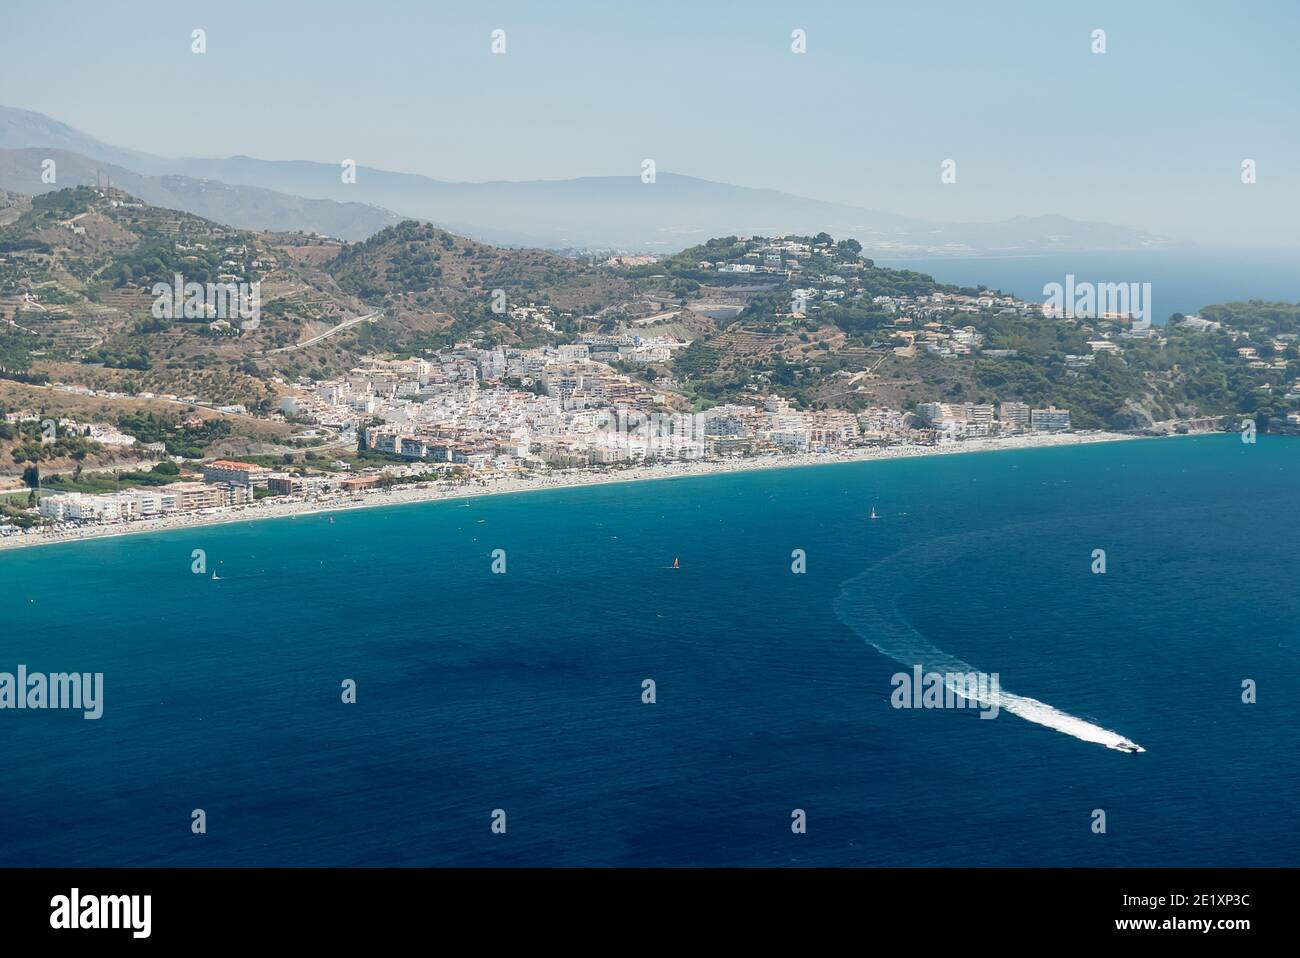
(896, 638)
(1040, 713)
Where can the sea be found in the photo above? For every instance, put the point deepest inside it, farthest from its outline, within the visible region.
(520, 699)
(1183, 279)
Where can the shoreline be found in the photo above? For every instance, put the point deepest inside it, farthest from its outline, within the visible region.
(401, 496)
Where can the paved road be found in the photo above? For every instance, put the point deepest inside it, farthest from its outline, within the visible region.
(346, 324)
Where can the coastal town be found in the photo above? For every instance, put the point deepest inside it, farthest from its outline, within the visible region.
(502, 419)
(743, 352)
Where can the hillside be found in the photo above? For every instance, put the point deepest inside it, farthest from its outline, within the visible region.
(435, 268)
(77, 269)
(809, 317)
(814, 320)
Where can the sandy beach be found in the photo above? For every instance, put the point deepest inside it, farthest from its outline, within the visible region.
(434, 491)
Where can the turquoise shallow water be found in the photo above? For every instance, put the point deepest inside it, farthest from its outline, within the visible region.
(523, 691)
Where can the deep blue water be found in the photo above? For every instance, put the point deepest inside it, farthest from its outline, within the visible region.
(523, 691)
(1182, 280)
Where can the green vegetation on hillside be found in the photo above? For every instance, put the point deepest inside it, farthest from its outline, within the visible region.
(187, 441)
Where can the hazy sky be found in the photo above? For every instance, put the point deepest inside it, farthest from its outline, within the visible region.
(1150, 134)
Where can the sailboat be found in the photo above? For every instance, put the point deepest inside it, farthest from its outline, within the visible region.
(873, 513)
(675, 565)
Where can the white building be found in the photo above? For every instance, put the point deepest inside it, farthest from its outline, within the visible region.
(1050, 419)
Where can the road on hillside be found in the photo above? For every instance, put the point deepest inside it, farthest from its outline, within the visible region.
(346, 324)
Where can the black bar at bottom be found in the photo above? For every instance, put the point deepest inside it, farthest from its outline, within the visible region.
(213, 906)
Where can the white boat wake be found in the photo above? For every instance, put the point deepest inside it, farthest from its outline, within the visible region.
(858, 606)
(1040, 713)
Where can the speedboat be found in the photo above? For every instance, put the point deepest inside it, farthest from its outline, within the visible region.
(1126, 746)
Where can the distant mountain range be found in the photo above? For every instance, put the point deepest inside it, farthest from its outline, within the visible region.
(244, 207)
(604, 212)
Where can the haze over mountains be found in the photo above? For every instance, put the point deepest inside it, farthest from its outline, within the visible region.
(605, 212)
(245, 207)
